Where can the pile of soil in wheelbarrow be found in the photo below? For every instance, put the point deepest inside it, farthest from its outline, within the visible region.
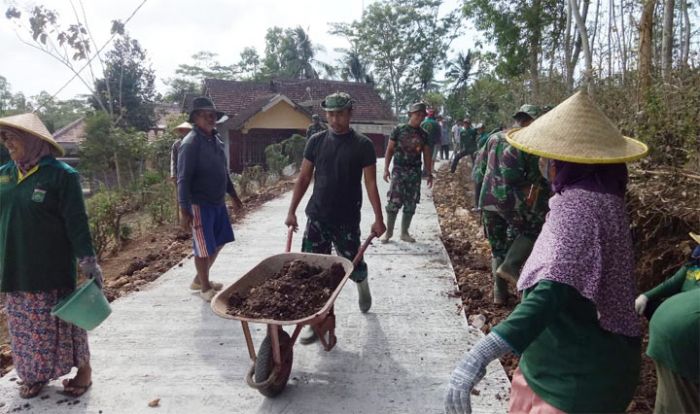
(298, 290)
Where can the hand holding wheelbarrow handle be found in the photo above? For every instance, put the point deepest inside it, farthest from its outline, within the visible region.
(356, 261)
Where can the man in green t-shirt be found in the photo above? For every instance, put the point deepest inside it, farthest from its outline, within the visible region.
(432, 127)
(467, 144)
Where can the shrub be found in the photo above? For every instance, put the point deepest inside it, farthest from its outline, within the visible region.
(275, 159)
(293, 148)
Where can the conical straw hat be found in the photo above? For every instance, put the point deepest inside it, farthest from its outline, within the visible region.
(577, 131)
(695, 237)
(31, 124)
(185, 126)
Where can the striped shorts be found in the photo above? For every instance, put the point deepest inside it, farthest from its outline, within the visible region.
(211, 229)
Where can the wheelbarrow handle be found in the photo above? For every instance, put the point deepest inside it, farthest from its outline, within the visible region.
(358, 258)
(290, 235)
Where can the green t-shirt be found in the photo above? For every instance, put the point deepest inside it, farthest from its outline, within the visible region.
(467, 140)
(685, 279)
(43, 227)
(674, 334)
(566, 357)
(433, 129)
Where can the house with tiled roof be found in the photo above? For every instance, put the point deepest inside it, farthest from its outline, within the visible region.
(264, 113)
(70, 137)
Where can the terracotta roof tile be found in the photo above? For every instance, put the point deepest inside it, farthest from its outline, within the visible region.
(236, 97)
(72, 133)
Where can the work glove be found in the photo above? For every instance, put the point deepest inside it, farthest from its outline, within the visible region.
(91, 270)
(640, 304)
(470, 371)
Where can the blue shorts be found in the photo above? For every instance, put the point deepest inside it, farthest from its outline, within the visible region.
(211, 229)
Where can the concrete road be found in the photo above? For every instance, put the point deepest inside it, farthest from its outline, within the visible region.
(164, 342)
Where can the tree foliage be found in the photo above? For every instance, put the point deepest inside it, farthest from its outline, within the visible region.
(405, 41)
(128, 87)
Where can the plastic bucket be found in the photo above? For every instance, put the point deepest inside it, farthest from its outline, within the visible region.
(86, 307)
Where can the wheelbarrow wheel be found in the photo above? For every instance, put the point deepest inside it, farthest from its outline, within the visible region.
(265, 364)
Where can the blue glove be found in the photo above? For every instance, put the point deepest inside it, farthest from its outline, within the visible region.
(91, 270)
(470, 371)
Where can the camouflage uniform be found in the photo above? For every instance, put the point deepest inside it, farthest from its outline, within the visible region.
(467, 145)
(509, 177)
(406, 174)
(319, 237)
(314, 129)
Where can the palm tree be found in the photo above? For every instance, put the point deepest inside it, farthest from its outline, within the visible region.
(460, 69)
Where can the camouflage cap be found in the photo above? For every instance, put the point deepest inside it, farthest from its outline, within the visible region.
(315, 117)
(337, 102)
(417, 107)
(532, 111)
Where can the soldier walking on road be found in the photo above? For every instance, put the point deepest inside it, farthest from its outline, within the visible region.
(315, 127)
(408, 142)
(337, 160)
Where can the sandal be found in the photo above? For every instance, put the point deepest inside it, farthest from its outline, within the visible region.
(27, 391)
(214, 285)
(73, 390)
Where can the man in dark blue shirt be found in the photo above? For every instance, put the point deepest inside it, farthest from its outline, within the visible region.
(202, 184)
(337, 161)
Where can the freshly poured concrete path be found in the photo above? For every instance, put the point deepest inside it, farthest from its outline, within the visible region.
(165, 342)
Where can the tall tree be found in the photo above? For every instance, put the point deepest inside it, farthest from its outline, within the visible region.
(460, 70)
(667, 39)
(646, 26)
(131, 79)
(405, 41)
(290, 53)
(516, 27)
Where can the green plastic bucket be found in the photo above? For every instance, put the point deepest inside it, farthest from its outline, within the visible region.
(87, 307)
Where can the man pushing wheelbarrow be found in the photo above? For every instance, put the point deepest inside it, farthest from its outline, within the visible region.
(337, 159)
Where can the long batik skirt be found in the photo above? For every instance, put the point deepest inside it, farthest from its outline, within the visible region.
(43, 346)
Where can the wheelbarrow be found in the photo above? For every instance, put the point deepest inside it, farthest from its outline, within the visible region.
(272, 364)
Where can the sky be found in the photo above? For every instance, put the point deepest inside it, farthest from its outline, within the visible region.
(173, 30)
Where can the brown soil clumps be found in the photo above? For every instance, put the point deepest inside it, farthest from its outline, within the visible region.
(298, 290)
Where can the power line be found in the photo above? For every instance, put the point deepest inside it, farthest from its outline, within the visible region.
(77, 73)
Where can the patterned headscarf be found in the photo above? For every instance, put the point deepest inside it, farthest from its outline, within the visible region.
(586, 244)
(34, 150)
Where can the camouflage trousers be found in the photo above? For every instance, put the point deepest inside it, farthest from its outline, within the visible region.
(345, 238)
(404, 190)
(501, 229)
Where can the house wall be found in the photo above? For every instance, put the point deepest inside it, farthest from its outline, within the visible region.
(280, 116)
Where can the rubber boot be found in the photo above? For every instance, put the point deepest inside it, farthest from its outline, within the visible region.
(405, 224)
(390, 221)
(307, 335)
(365, 297)
(515, 259)
(500, 286)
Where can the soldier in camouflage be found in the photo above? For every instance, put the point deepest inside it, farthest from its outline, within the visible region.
(432, 127)
(513, 201)
(407, 143)
(315, 127)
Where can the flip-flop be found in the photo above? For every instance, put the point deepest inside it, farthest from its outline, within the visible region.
(214, 285)
(72, 390)
(27, 391)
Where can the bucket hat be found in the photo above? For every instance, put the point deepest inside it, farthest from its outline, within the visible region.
(577, 131)
(418, 107)
(31, 124)
(202, 103)
(337, 102)
(533, 111)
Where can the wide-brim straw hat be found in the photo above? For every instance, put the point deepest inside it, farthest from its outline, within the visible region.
(185, 126)
(695, 237)
(31, 124)
(577, 131)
